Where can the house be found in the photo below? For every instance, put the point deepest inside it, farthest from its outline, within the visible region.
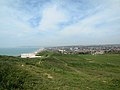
(98, 52)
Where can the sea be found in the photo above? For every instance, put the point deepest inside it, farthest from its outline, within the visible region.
(16, 51)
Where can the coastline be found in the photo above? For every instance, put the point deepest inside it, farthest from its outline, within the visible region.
(16, 51)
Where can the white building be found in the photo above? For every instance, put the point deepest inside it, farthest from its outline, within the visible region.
(29, 55)
(61, 50)
(32, 55)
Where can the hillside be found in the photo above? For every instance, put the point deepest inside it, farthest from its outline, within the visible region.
(61, 72)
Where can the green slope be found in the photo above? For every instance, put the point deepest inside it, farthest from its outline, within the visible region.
(61, 72)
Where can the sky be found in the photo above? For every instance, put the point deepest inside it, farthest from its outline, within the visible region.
(59, 22)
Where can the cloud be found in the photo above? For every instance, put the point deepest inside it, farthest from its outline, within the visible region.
(100, 21)
(51, 17)
(59, 22)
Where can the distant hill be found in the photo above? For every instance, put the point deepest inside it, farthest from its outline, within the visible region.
(60, 72)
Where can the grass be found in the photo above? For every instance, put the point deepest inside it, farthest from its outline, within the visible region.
(61, 72)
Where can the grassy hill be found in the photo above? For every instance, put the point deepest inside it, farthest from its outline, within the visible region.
(61, 72)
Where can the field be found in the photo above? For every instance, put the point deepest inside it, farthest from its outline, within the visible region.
(61, 72)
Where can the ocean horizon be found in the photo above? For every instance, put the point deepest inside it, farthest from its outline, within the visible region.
(16, 51)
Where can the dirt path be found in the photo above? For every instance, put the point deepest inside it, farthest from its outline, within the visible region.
(72, 68)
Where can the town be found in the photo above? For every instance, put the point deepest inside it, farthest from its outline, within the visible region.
(92, 49)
